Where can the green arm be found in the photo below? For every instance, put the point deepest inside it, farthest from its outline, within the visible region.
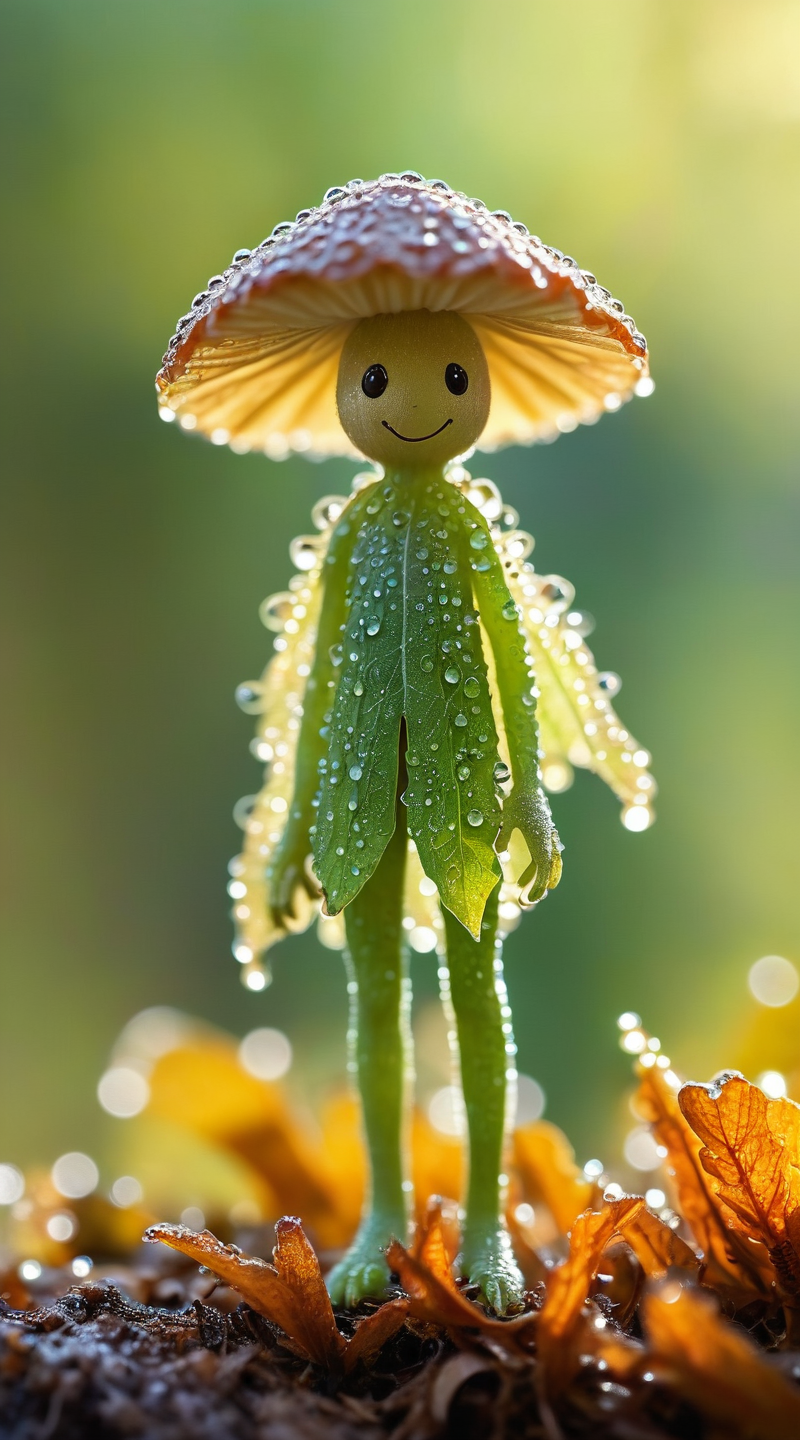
(288, 871)
(527, 808)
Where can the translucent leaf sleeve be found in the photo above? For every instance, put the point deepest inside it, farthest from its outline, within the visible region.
(526, 809)
(288, 871)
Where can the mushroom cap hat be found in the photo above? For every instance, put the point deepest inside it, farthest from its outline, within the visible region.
(254, 362)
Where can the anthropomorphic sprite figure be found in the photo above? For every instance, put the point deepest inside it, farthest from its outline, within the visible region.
(428, 685)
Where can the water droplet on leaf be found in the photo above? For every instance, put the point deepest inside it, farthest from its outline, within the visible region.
(249, 697)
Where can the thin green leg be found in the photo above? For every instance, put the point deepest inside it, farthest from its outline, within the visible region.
(380, 1054)
(476, 991)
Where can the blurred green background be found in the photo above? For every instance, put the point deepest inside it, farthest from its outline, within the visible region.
(658, 143)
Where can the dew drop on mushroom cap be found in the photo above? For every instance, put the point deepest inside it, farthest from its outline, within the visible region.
(254, 362)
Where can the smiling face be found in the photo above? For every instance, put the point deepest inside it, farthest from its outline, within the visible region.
(413, 388)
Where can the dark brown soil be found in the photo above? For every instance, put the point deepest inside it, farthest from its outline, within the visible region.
(87, 1362)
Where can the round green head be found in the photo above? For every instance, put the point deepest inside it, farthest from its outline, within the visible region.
(413, 388)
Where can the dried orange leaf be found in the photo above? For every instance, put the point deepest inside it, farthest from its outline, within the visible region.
(568, 1287)
(726, 1258)
(752, 1148)
(545, 1163)
(373, 1332)
(655, 1245)
(431, 1299)
(429, 1245)
(291, 1294)
(716, 1367)
(440, 1302)
(299, 1269)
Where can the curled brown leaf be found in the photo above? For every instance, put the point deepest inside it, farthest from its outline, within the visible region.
(427, 1278)
(728, 1260)
(291, 1293)
(751, 1148)
(655, 1245)
(568, 1287)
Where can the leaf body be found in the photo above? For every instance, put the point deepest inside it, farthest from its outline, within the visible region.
(411, 651)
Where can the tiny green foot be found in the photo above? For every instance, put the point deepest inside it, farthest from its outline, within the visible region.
(363, 1272)
(487, 1260)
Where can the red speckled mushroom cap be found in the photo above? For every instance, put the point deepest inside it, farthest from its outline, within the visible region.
(254, 362)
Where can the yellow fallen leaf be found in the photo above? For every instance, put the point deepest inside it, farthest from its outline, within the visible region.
(545, 1163)
(437, 1163)
(203, 1087)
(716, 1367)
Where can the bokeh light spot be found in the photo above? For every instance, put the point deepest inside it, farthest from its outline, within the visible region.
(126, 1191)
(123, 1091)
(75, 1175)
(773, 981)
(12, 1184)
(61, 1227)
(772, 1083)
(446, 1111)
(151, 1034)
(266, 1054)
(636, 818)
(422, 939)
(255, 980)
(641, 1149)
(557, 777)
(530, 1100)
(634, 1041)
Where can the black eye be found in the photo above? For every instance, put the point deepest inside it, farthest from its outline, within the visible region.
(456, 379)
(374, 381)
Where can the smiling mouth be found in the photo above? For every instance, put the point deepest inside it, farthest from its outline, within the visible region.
(415, 439)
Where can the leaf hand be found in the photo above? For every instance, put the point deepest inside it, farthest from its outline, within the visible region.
(289, 877)
(527, 810)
